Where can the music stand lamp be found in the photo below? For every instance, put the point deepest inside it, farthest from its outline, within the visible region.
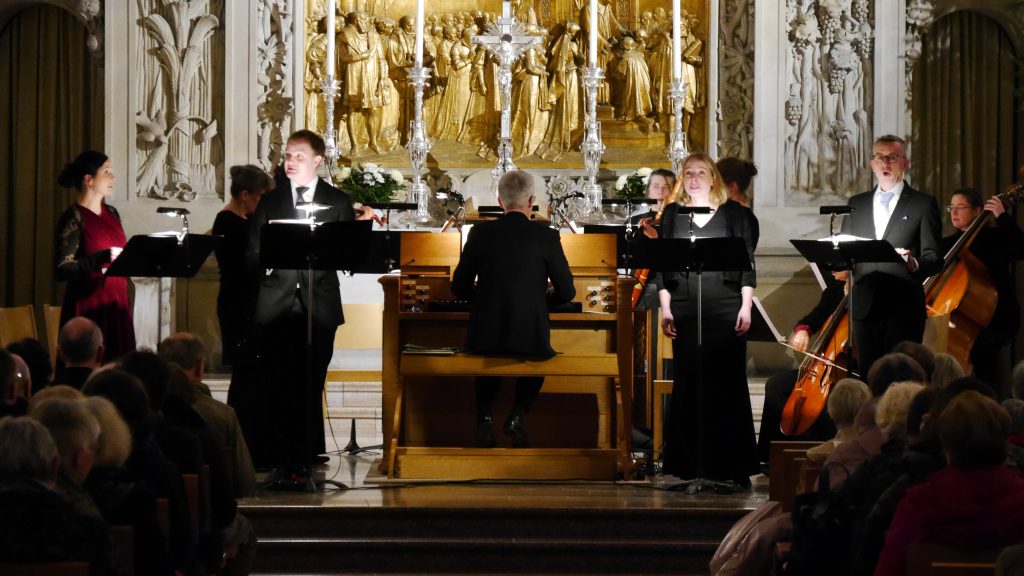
(310, 246)
(697, 255)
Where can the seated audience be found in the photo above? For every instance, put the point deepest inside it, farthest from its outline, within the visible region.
(922, 354)
(76, 432)
(893, 367)
(40, 369)
(147, 464)
(976, 501)
(11, 403)
(188, 351)
(1017, 381)
(37, 524)
(1015, 408)
(80, 349)
(947, 369)
(844, 401)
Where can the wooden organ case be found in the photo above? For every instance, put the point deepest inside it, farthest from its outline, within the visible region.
(580, 426)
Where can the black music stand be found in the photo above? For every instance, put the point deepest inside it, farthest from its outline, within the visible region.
(163, 255)
(309, 247)
(837, 253)
(696, 255)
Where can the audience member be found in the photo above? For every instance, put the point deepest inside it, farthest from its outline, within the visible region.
(188, 351)
(844, 401)
(61, 391)
(10, 403)
(76, 432)
(120, 499)
(80, 349)
(1015, 408)
(1018, 381)
(147, 464)
(924, 356)
(893, 367)
(22, 379)
(947, 369)
(37, 524)
(976, 501)
(40, 369)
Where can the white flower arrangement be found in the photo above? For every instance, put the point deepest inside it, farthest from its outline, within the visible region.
(633, 185)
(369, 183)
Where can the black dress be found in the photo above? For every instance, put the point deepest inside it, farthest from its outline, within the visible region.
(236, 299)
(710, 430)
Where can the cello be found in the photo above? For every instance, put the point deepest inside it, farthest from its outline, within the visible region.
(963, 289)
(642, 274)
(825, 364)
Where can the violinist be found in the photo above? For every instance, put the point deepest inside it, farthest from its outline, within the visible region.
(997, 247)
(659, 187)
(888, 298)
(779, 386)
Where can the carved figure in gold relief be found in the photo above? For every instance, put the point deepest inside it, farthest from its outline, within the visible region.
(365, 71)
(693, 61)
(453, 107)
(316, 61)
(660, 60)
(635, 102)
(388, 137)
(608, 32)
(564, 129)
(529, 95)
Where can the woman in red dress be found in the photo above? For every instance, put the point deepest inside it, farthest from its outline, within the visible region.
(89, 238)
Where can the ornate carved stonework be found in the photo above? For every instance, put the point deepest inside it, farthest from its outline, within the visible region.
(275, 33)
(920, 15)
(180, 153)
(736, 79)
(829, 109)
(91, 12)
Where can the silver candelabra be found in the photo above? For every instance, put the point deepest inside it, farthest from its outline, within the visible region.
(419, 144)
(677, 150)
(329, 90)
(592, 146)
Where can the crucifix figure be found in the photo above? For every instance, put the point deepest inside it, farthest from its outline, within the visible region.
(507, 41)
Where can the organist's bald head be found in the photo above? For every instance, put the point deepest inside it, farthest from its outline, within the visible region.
(515, 191)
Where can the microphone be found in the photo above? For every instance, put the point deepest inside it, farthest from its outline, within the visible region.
(835, 210)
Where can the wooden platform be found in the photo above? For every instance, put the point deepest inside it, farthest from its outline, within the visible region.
(553, 527)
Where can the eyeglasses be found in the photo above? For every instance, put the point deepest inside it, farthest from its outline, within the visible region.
(888, 159)
(958, 208)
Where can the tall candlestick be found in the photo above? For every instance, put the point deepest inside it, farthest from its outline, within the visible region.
(592, 55)
(506, 9)
(419, 33)
(676, 48)
(331, 9)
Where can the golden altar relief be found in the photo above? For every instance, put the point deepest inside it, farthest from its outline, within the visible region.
(462, 106)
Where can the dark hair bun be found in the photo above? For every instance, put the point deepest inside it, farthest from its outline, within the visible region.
(88, 162)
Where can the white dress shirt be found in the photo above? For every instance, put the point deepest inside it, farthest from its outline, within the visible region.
(882, 213)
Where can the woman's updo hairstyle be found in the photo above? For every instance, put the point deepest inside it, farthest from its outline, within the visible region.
(88, 162)
(251, 178)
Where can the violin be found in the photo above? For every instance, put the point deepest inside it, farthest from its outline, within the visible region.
(642, 274)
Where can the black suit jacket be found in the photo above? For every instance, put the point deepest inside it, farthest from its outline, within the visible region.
(278, 288)
(915, 224)
(511, 260)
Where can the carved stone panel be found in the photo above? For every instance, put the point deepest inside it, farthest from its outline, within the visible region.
(736, 79)
(275, 33)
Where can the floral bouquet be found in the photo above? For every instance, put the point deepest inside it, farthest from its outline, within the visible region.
(369, 183)
(633, 186)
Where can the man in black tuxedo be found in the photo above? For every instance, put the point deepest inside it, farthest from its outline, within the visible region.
(504, 270)
(291, 397)
(888, 299)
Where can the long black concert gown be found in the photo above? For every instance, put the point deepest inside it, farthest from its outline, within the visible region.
(723, 413)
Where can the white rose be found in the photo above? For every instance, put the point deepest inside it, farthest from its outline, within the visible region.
(620, 183)
(644, 172)
(369, 166)
(344, 173)
(397, 175)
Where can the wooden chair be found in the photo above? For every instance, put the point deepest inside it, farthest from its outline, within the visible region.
(191, 482)
(46, 569)
(785, 461)
(17, 323)
(51, 320)
(163, 515)
(928, 559)
(124, 549)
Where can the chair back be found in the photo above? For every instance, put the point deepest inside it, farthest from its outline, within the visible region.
(928, 559)
(17, 323)
(51, 321)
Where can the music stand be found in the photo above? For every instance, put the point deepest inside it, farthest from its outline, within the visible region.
(630, 203)
(163, 256)
(311, 246)
(838, 252)
(697, 255)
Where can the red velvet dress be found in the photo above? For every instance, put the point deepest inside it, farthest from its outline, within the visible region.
(84, 240)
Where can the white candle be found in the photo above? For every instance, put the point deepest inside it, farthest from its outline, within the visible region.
(593, 33)
(331, 9)
(676, 48)
(506, 9)
(419, 33)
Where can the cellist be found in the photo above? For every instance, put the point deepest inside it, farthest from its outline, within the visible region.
(997, 247)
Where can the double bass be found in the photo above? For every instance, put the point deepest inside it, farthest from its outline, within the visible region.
(963, 289)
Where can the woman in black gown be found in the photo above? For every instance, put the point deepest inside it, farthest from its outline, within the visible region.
(710, 429)
(237, 296)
